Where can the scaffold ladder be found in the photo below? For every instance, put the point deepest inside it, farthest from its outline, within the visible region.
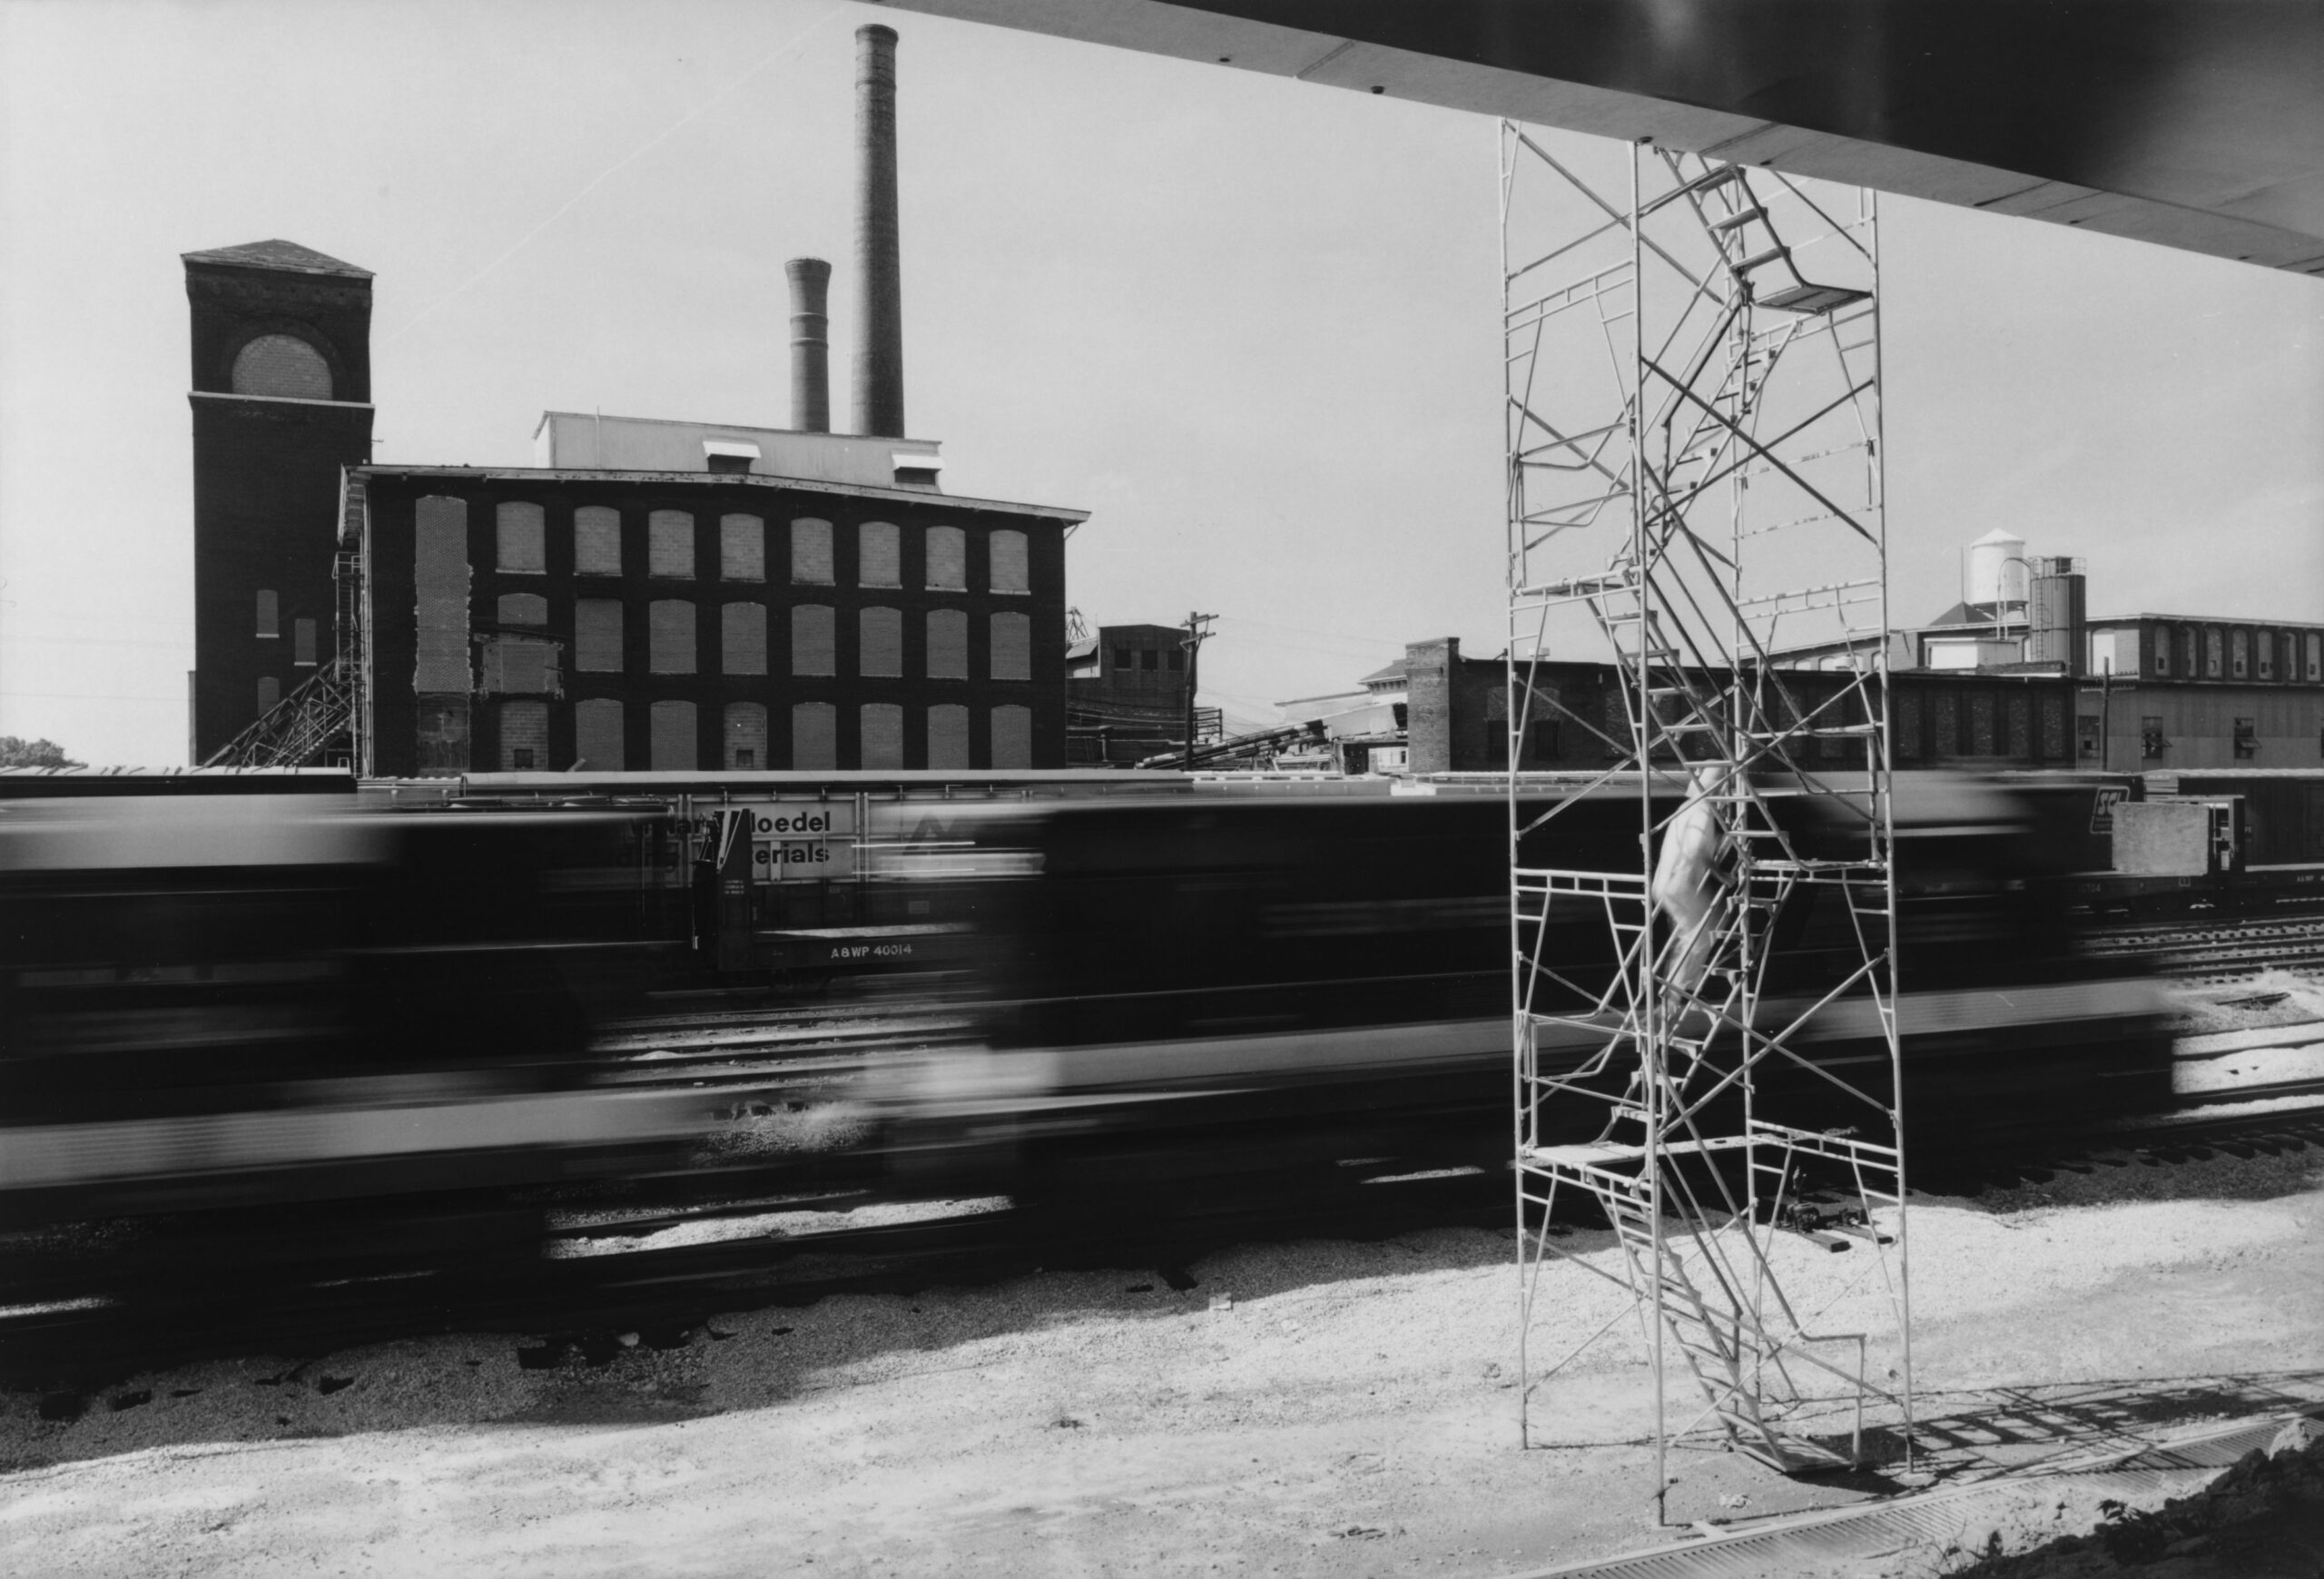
(1695, 490)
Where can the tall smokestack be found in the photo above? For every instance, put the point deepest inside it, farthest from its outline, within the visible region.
(879, 325)
(811, 346)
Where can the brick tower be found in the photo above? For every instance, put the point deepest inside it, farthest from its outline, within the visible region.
(282, 397)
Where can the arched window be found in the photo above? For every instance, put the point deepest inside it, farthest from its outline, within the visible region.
(742, 638)
(674, 746)
(882, 726)
(596, 735)
(596, 541)
(746, 736)
(282, 366)
(596, 635)
(948, 560)
(880, 634)
(669, 545)
(1009, 571)
(742, 549)
(814, 736)
(1012, 646)
(813, 645)
(879, 555)
(524, 549)
(947, 644)
(669, 637)
(811, 552)
(948, 736)
(524, 736)
(1013, 737)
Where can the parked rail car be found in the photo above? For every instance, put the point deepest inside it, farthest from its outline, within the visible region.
(2269, 861)
(234, 1004)
(1243, 972)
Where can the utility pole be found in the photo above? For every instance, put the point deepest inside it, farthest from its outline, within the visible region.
(1197, 632)
(2106, 717)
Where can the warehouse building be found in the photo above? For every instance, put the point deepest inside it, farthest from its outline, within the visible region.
(1125, 697)
(541, 619)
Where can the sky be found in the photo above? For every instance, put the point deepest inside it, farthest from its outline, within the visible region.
(1252, 325)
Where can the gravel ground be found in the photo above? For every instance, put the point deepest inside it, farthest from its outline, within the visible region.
(1312, 1408)
(2273, 998)
(2263, 1519)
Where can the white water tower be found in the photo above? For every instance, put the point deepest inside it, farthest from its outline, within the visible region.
(1996, 568)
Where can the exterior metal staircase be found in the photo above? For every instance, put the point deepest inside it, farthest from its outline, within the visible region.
(306, 728)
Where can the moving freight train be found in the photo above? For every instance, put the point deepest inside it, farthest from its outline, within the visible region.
(1198, 979)
(297, 1032)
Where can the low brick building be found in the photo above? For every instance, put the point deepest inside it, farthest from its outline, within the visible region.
(1125, 697)
(1458, 712)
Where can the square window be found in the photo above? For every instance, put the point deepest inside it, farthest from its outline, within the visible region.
(522, 758)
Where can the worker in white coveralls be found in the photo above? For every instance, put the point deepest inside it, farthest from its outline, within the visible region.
(1691, 886)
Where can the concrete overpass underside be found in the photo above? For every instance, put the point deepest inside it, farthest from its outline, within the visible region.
(2191, 124)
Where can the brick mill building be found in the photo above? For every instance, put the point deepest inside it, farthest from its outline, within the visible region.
(647, 595)
(538, 618)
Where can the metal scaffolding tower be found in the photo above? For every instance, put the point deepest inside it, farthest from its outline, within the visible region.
(1695, 495)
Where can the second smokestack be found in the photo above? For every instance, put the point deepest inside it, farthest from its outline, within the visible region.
(879, 325)
(811, 348)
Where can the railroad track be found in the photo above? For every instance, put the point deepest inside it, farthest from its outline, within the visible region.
(2220, 953)
(621, 1271)
(757, 1231)
(767, 1054)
